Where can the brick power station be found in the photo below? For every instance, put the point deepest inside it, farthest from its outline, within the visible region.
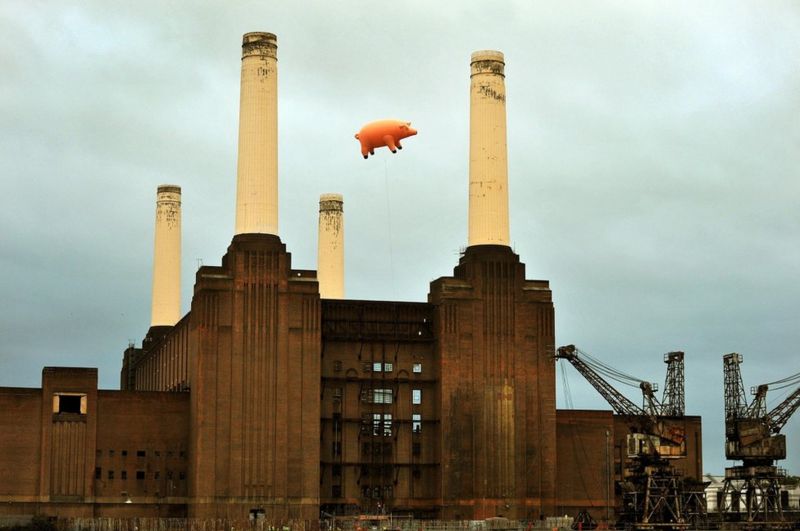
(275, 396)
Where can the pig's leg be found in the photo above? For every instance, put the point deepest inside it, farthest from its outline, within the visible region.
(364, 150)
(398, 145)
(390, 143)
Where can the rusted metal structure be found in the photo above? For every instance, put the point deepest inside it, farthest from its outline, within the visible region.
(653, 492)
(751, 491)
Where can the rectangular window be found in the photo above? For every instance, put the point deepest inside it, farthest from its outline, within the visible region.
(124, 453)
(382, 396)
(416, 396)
(157, 453)
(140, 474)
(336, 491)
(111, 453)
(416, 449)
(98, 473)
(181, 475)
(376, 366)
(337, 470)
(156, 475)
(69, 403)
(388, 367)
(416, 423)
(123, 474)
(337, 366)
(337, 448)
(382, 424)
(110, 474)
(169, 474)
(141, 453)
(337, 392)
(416, 368)
(416, 472)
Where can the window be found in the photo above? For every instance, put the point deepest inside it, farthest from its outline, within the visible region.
(181, 475)
(382, 396)
(124, 453)
(337, 448)
(416, 423)
(156, 475)
(388, 367)
(111, 453)
(416, 368)
(99, 453)
(182, 454)
(69, 403)
(337, 470)
(382, 424)
(416, 396)
(416, 472)
(337, 392)
(140, 474)
(141, 453)
(123, 474)
(110, 474)
(337, 366)
(157, 453)
(169, 474)
(377, 366)
(336, 491)
(98, 473)
(416, 449)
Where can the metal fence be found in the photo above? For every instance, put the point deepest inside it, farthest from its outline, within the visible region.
(336, 524)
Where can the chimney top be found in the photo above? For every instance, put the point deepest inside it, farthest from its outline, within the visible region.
(259, 43)
(328, 202)
(488, 61)
(165, 188)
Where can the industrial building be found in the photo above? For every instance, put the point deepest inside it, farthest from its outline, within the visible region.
(275, 396)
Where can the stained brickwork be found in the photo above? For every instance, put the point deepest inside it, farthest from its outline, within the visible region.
(75, 451)
(494, 337)
(255, 385)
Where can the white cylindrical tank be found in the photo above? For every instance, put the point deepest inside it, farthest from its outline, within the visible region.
(166, 309)
(257, 170)
(330, 250)
(488, 165)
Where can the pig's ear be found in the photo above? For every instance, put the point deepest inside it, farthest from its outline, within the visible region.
(404, 127)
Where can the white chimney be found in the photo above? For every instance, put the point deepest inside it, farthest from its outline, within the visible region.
(330, 253)
(488, 166)
(166, 310)
(257, 172)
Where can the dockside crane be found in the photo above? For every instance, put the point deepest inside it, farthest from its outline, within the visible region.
(653, 491)
(753, 436)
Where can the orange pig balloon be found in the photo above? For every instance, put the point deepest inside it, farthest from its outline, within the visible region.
(383, 133)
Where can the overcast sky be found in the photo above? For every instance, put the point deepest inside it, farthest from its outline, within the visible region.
(653, 157)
